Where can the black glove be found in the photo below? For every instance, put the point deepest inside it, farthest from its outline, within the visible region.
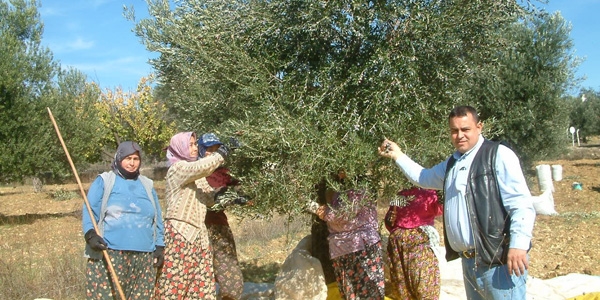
(95, 241)
(224, 151)
(240, 200)
(220, 193)
(159, 256)
(234, 143)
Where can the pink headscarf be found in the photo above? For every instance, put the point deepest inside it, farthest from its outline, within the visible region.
(179, 148)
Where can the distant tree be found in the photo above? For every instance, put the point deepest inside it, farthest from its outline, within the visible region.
(521, 90)
(72, 102)
(134, 116)
(27, 69)
(31, 82)
(585, 114)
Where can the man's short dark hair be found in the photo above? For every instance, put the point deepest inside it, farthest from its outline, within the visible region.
(463, 111)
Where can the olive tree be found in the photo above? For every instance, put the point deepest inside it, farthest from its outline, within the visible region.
(585, 113)
(523, 87)
(312, 87)
(30, 82)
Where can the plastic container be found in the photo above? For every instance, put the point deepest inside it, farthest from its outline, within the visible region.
(544, 175)
(557, 172)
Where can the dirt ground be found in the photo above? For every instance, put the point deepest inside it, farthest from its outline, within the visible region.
(35, 225)
(569, 243)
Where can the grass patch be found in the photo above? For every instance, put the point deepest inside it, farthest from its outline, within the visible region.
(263, 244)
(253, 272)
(63, 195)
(59, 277)
(572, 177)
(580, 216)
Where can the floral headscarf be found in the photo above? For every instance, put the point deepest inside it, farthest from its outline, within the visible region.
(179, 148)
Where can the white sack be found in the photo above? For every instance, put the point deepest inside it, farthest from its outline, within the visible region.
(301, 276)
(544, 204)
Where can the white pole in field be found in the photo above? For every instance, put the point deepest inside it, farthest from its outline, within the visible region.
(572, 131)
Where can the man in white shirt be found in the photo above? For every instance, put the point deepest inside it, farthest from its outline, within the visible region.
(488, 211)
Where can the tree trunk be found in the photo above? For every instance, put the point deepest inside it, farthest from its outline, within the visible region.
(38, 186)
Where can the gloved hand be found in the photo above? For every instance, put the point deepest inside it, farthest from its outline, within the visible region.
(241, 200)
(224, 151)
(95, 241)
(219, 192)
(312, 207)
(159, 256)
(234, 143)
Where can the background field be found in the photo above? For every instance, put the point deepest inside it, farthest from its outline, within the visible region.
(41, 243)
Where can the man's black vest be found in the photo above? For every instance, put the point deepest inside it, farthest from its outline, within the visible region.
(489, 220)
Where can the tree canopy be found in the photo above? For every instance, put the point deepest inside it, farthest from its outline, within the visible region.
(31, 81)
(308, 87)
(311, 87)
(134, 116)
(523, 88)
(585, 113)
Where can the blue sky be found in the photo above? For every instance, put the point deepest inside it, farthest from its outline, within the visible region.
(94, 37)
(585, 32)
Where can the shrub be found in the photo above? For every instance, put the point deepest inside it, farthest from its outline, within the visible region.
(63, 195)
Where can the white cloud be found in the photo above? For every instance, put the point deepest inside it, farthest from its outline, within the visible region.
(125, 71)
(79, 44)
(48, 12)
(59, 46)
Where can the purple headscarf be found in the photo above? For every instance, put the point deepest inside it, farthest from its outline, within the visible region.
(179, 148)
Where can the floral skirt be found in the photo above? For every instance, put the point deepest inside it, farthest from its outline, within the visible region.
(360, 274)
(227, 270)
(414, 268)
(134, 270)
(188, 270)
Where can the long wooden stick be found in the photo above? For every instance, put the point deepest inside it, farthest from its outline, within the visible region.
(89, 208)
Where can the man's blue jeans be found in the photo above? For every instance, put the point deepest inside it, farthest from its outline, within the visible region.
(487, 283)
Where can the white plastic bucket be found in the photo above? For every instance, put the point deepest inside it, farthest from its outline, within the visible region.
(556, 172)
(544, 175)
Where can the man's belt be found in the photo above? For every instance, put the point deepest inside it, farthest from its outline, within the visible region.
(467, 254)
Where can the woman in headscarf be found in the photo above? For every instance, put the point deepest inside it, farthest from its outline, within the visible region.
(414, 266)
(188, 269)
(354, 242)
(126, 210)
(227, 270)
